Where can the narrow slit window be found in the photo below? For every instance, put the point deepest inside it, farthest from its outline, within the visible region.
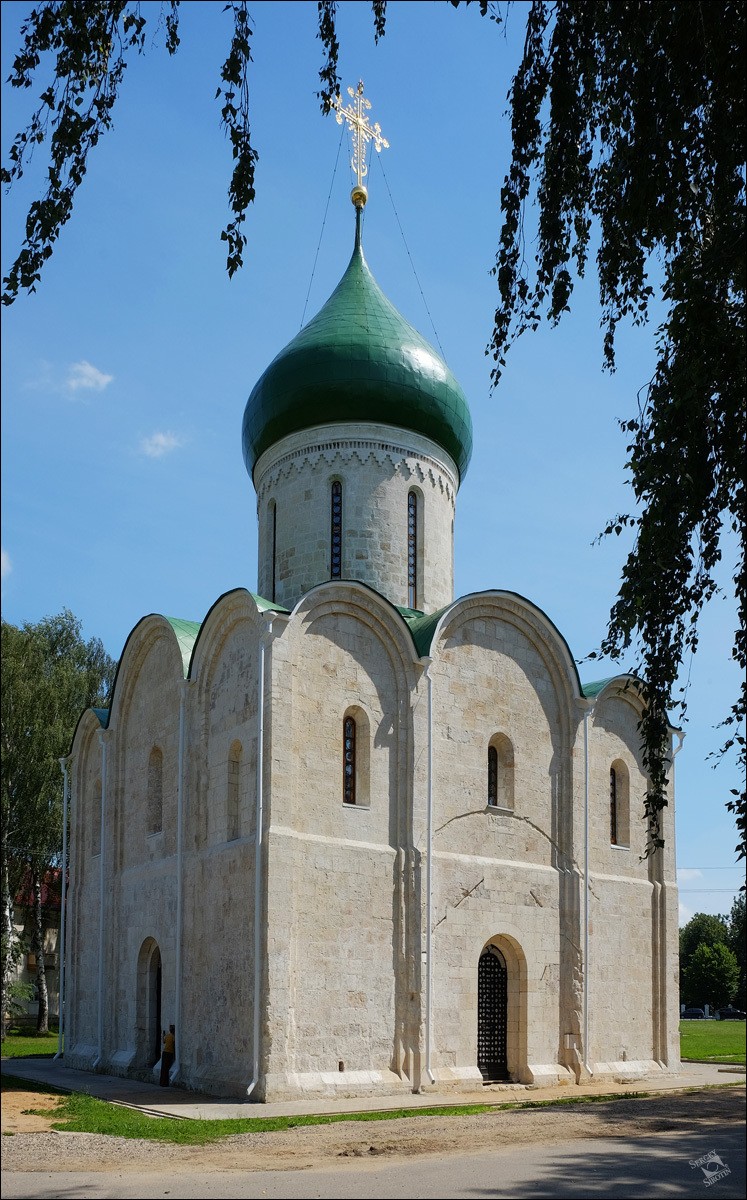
(155, 791)
(613, 806)
(500, 772)
(335, 571)
(492, 776)
(348, 761)
(274, 535)
(233, 809)
(412, 550)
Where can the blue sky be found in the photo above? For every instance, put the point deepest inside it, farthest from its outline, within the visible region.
(125, 376)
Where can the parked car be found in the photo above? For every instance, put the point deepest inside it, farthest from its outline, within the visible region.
(693, 1014)
(731, 1014)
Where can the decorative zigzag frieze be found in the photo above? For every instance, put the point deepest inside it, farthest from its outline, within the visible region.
(348, 451)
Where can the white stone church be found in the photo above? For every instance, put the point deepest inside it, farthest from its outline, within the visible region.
(350, 835)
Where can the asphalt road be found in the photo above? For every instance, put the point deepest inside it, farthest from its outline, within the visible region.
(657, 1165)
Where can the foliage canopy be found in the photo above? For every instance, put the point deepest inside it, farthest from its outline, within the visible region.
(628, 128)
(737, 943)
(707, 932)
(704, 929)
(50, 675)
(711, 976)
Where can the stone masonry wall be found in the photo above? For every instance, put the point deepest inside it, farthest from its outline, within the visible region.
(377, 466)
(495, 868)
(141, 888)
(632, 950)
(218, 983)
(81, 1011)
(343, 889)
(340, 1010)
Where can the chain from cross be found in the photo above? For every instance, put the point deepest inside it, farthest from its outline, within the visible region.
(360, 129)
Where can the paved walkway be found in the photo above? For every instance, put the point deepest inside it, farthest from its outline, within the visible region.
(177, 1102)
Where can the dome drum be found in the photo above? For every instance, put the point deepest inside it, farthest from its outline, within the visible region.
(377, 469)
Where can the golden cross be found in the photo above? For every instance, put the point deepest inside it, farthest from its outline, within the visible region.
(361, 132)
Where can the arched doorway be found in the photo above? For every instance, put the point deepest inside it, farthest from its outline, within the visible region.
(149, 986)
(492, 1015)
(156, 1023)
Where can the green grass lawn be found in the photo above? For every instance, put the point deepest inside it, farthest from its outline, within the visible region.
(84, 1114)
(703, 1041)
(713, 1041)
(23, 1045)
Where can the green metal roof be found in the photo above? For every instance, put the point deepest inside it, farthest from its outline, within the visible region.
(592, 690)
(358, 359)
(407, 613)
(187, 631)
(267, 605)
(422, 628)
(186, 635)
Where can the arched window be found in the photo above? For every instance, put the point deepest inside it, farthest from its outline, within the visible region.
(155, 791)
(492, 775)
(349, 760)
(273, 548)
(412, 550)
(500, 772)
(233, 819)
(620, 805)
(356, 757)
(613, 806)
(335, 556)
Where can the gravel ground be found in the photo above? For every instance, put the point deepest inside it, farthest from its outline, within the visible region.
(315, 1146)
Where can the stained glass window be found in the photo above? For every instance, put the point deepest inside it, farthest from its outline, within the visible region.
(501, 772)
(348, 761)
(274, 518)
(336, 532)
(613, 806)
(412, 550)
(492, 775)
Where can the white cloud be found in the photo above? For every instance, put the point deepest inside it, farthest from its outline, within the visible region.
(84, 375)
(159, 444)
(685, 874)
(6, 566)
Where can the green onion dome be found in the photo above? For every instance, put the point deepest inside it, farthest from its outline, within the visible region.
(358, 360)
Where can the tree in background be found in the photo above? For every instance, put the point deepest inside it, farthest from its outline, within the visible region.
(50, 675)
(702, 929)
(736, 943)
(711, 976)
(706, 930)
(628, 125)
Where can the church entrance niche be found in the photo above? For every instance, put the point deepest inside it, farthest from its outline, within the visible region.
(149, 1017)
(492, 1015)
(156, 1048)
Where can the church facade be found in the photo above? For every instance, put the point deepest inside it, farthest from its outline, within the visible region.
(350, 835)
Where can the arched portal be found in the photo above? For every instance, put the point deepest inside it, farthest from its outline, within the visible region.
(492, 1015)
(149, 986)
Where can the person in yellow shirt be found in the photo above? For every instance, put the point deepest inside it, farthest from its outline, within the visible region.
(168, 1053)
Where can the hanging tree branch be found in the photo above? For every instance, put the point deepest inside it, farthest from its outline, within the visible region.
(91, 43)
(626, 119)
(235, 120)
(629, 118)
